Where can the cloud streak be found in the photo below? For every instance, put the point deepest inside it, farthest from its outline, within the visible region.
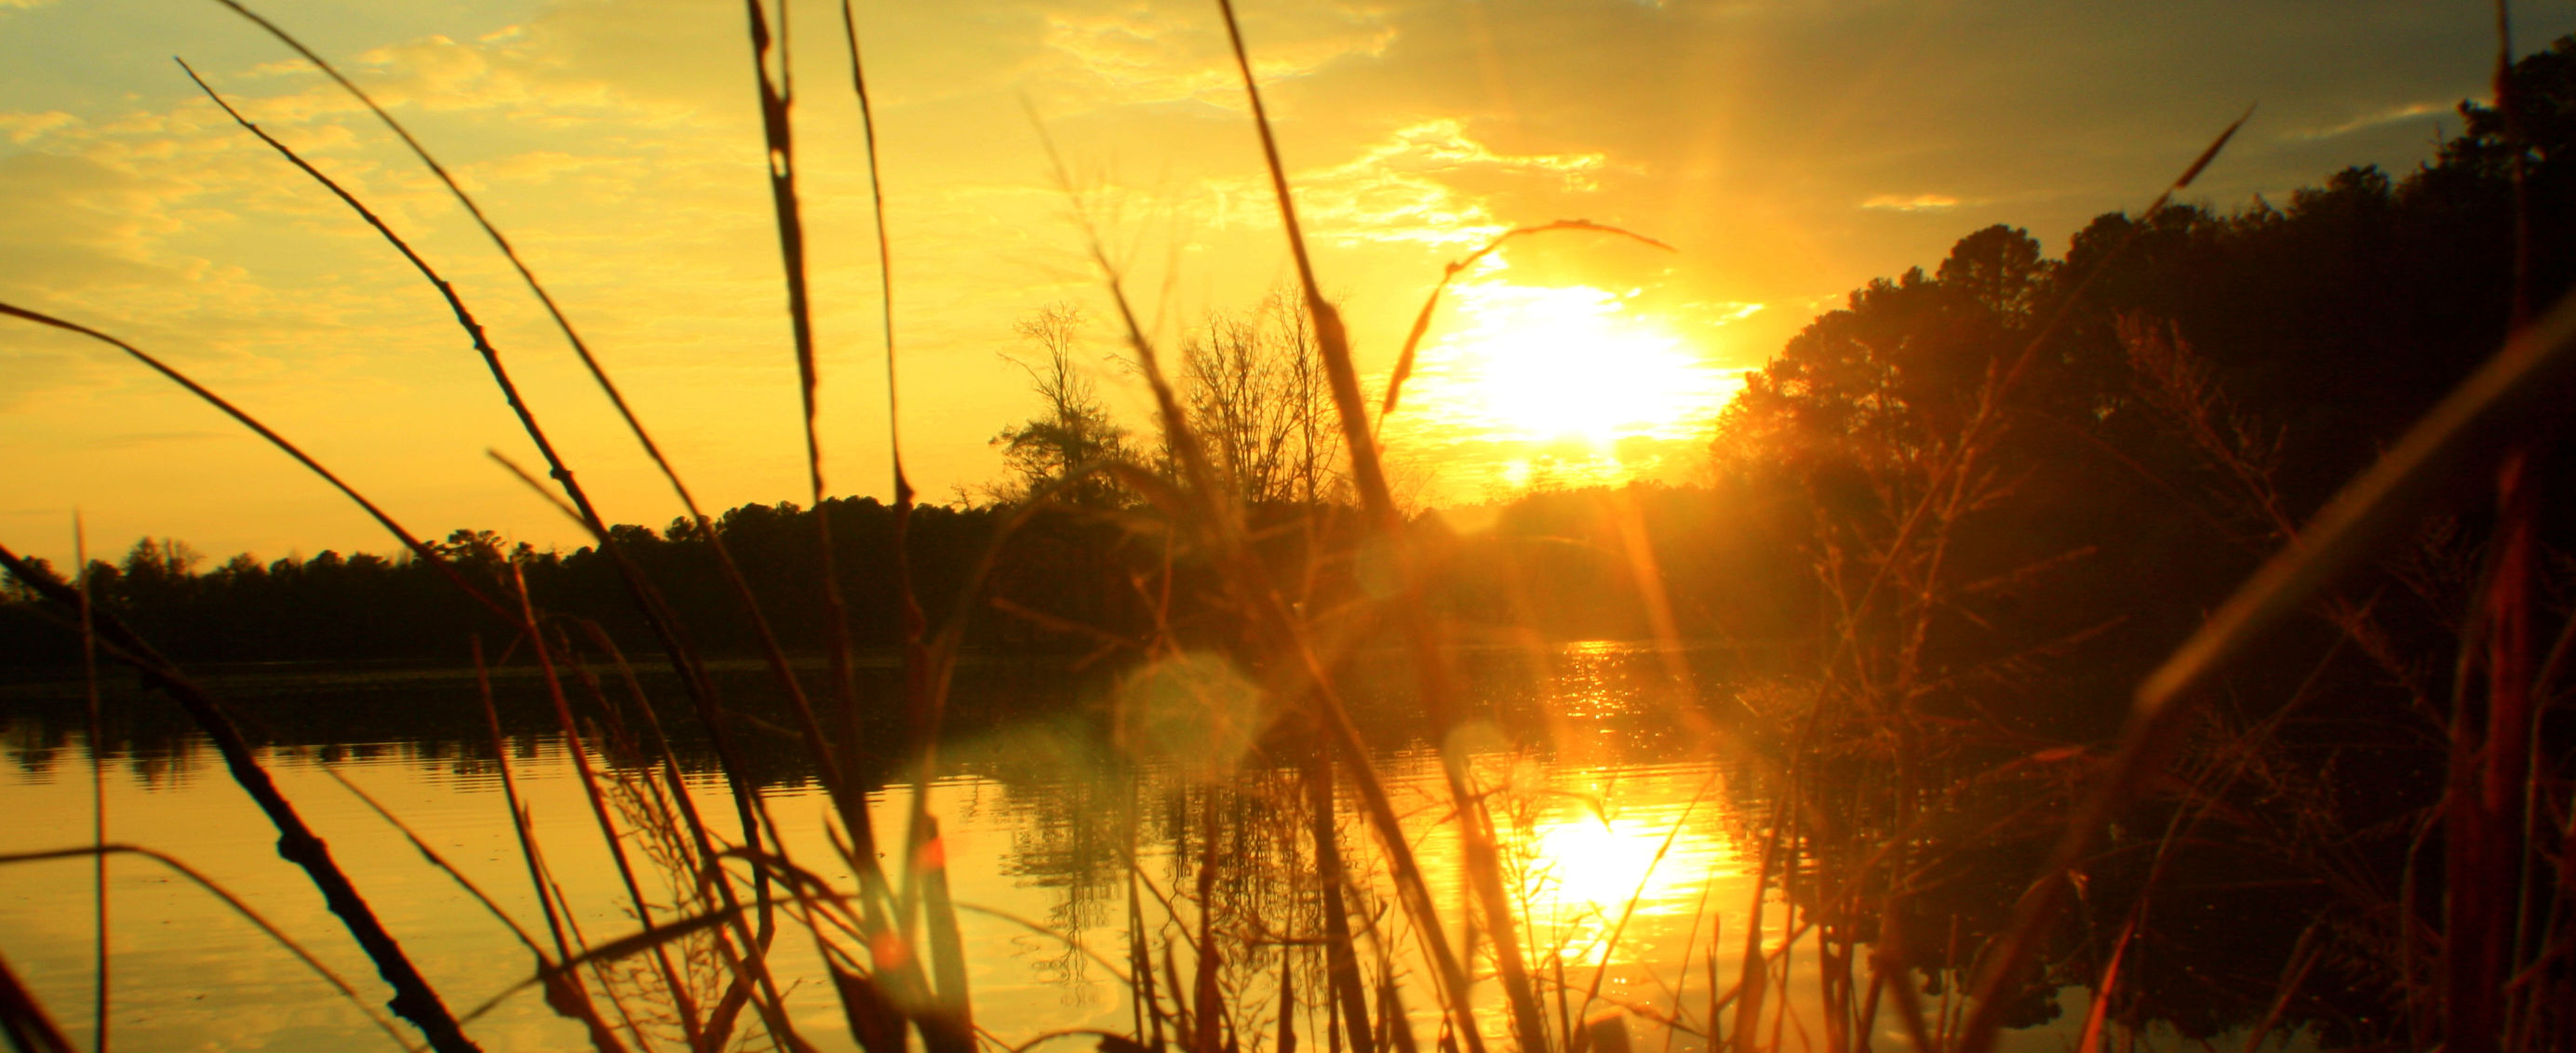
(1910, 202)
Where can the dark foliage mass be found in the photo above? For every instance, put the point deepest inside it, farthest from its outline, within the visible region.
(368, 607)
(2022, 481)
(2175, 395)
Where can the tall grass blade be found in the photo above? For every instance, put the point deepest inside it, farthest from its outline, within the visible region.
(580, 349)
(626, 946)
(924, 716)
(1422, 320)
(656, 615)
(776, 96)
(413, 998)
(2091, 1039)
(419, 549)
(2527, 383)
(574, 748)
(275, 935)
(97, 785)
(1628, 907)
(1346, 993)
(24, 1020)
(1204, 992)
(1484, 870)
(1753, 976)
(682, 657)
(440, 862)
(924, 674)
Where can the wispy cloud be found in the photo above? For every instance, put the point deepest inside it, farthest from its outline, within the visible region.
(1135, 54)
(1911, 202)
(1405, 188)
(138, 439)
(2374, 119)
(21, 127)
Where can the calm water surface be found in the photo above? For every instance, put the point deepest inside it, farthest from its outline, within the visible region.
(1601, 796)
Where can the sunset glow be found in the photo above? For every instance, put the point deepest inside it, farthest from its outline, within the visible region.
(1531, 385)
(1384, 525)
(619, 146)
(1543, 364)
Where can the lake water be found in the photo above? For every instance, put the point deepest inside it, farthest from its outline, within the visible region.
(1600, 794)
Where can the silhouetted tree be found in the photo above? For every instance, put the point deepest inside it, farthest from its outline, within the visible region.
(1073, 429)
(1254, 387)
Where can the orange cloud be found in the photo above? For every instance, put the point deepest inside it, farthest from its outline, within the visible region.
(1911, 202)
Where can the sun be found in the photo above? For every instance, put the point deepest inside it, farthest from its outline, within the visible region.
(1557, 364)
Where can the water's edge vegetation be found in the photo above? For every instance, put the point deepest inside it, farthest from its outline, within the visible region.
(1963, 518)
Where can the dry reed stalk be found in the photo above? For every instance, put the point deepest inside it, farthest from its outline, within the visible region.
(1204, 993)
(925, 714)
(20, 1010)
(563, 988)
(749, 966)
(2487, 833)
(542, 649)
(24, 1020)
(465, 318)
(97, 786)
(1431, 303)
(1484, 870)
(527, 841)
(749, 806)
(562, 323)
(1344, 992)
(776, 97)
(2526, 382)
(1207, 508)
(2090, 1041)
(414, 1000)
(1142, 1002)
(946, 1018)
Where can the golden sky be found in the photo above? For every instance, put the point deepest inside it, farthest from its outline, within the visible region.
(1789, 150)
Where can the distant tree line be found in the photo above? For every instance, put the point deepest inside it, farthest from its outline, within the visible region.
(2194, 379)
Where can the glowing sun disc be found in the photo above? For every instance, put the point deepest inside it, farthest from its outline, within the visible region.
(1548, 364)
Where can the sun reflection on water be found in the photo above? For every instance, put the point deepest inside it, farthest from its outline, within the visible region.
(1590, 862)
(1600, 886)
